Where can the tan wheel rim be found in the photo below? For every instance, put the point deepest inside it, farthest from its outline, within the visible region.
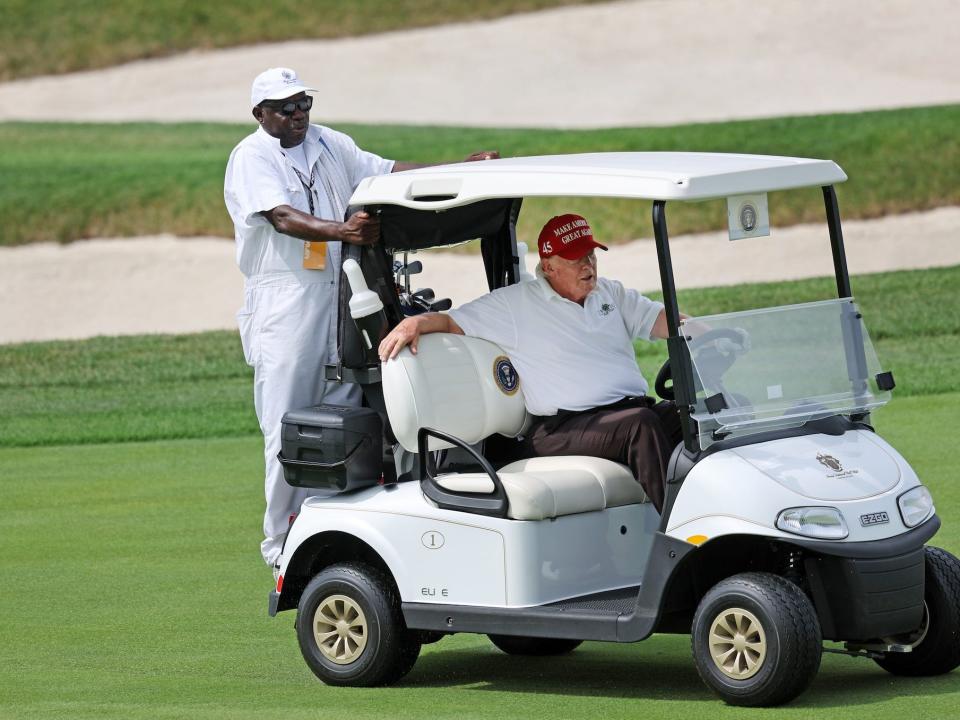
(738, 644)
(340, 629)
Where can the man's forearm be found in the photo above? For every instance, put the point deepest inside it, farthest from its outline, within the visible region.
(409, 330)
(399, 166)
(661, 329)
(402, 166)
(293, 222)
(436, 322)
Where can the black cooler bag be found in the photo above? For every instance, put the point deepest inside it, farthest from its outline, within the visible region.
(332, 447)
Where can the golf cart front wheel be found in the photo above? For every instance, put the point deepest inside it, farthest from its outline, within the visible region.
(935, 645)
(516, 645)
(351, 630)
(756, 640)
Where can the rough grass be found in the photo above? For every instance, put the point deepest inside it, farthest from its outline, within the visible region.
(63, 182)
(39, 37)
(197, 386)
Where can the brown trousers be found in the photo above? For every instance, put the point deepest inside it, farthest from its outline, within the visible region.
(638, 432)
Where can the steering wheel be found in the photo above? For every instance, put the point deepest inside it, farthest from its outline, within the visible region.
(665, 374)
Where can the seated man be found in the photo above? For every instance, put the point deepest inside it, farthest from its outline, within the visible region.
(568, 333)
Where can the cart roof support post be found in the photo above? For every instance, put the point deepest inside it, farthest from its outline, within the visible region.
(684, 393)
(836, 242)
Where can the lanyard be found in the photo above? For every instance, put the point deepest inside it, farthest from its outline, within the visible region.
(307, 186)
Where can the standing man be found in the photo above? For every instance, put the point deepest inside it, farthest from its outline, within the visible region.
(287, 188)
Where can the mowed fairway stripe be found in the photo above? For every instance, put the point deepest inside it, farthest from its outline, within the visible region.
(76, 181)
(133, 588)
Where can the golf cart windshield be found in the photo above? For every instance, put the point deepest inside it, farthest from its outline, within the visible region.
(781, 367)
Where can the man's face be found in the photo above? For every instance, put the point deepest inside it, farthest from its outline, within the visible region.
(571, 279)
(290, 129)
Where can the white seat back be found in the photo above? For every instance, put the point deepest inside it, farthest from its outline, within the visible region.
(460, 385)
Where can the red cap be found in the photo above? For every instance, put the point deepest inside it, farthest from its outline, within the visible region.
(568, 236)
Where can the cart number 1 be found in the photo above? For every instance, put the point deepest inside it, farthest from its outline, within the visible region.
(432, 540)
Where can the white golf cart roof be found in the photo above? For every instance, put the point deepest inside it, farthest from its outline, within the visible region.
(642, 175)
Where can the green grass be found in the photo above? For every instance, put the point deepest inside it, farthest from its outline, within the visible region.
(163, 387)
(63, 182)
(56, 36)
(134, 589)
(125, 388)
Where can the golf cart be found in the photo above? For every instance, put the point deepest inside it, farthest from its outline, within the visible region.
(787, 521)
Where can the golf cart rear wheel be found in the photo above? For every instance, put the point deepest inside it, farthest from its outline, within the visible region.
(515, 645)
(756, 640)
(936, 643)
(351, 630)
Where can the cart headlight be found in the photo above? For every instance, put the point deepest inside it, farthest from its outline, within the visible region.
(825, 523)
(916, 505)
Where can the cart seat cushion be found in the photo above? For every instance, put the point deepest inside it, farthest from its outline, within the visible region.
(460, 385)
(546, 487)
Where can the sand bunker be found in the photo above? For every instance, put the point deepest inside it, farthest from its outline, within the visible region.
(657, 62)
(169, 285)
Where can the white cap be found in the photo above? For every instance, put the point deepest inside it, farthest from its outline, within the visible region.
(276, 84)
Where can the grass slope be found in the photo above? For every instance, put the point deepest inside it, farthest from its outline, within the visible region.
(69, 181)
(135, 590)
(153, 387)
(39, 37)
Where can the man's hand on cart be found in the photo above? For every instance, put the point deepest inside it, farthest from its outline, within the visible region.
(729, 346)
(360, 229)
(483, 155)
(408, 332)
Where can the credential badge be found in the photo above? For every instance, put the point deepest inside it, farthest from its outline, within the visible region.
(505, 375)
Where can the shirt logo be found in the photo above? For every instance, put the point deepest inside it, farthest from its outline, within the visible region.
(505, 375)
(607, 308)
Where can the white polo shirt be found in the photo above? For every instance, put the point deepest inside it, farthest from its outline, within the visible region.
(567, 356)
(260, 176)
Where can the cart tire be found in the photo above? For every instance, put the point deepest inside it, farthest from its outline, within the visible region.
(351, 630)
(937, 650)
(756, 640)
(515, 645)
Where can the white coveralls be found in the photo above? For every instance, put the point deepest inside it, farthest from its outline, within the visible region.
(288, 320)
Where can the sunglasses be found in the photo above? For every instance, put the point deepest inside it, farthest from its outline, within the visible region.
(289, 107)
